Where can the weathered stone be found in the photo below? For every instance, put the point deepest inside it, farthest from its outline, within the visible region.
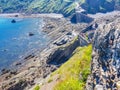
(106, 50)
(99, 87)
(4, 71)
(29, 57)
(61, 54)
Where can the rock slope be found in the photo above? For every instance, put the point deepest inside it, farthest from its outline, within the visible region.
(105, 66)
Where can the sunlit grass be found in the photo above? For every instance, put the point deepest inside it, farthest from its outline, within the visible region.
(37, 87)
(73, 74)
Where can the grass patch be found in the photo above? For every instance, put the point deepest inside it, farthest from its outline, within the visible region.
(50, 80)
(73, 74)
(37, 87)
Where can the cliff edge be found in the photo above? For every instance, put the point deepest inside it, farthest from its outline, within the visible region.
(105, 65)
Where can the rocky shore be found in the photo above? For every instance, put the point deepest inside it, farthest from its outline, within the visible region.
(35, 67)
(65, 37)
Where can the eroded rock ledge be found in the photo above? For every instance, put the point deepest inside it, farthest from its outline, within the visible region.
(105, 67)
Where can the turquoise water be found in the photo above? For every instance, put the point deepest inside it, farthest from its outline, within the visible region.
(15, 41)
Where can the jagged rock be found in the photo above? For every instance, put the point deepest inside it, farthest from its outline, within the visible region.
(31, 34)
(17, 86)
(61, 42)
(18, 63)
(13, 21)
(29, 57)
(61, 54)
(4, 71)
(82, 40)
(80, 17)
(106, 59)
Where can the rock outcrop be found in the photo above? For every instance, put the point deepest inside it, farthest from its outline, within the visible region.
(62, 53)
(81, 18)
(105, 66)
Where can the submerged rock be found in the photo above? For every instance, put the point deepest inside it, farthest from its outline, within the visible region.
(13, 21)
(31, 34)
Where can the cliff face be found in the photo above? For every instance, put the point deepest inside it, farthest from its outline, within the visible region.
(99, 5)
(105, 67)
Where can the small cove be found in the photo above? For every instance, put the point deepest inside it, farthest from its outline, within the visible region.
(19, 38)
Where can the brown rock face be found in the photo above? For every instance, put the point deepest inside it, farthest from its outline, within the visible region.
(105, 67)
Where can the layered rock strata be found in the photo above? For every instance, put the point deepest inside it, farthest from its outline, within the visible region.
(105, 66)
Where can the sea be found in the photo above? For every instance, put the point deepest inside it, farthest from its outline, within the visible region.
(20, 38)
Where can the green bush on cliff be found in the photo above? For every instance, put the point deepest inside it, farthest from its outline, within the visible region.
(73, 74)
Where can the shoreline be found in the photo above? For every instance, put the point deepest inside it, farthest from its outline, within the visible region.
(34, 70)
(38, 65)
(23, 15)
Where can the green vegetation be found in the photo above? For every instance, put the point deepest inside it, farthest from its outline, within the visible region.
(66, 7)
(50, 80)
(37, 87)
(73, 74)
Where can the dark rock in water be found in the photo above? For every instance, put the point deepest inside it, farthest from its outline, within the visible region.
(80, 17)
(29, 57)
(13, 21)
(19, 63)
(31, 34)
(4, 71)
(5, 50)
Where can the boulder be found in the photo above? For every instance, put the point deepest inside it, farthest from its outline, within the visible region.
(13, 21)
(31, 34)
